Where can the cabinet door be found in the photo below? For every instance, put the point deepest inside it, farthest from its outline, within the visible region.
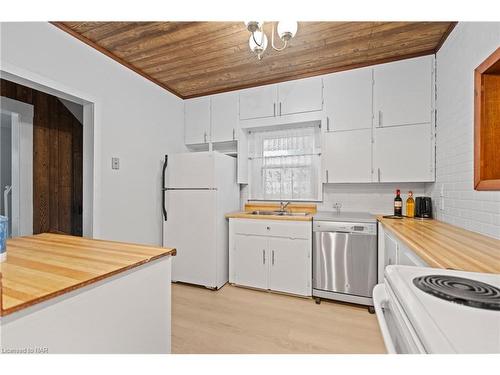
(258, 102)
(197, 120)
(290, 265)
(402, 92)
(250, 261)
(224, 117)
(348, 100)
(347, 156)
(390, 250)
(303, 95)
(404, 154)
(407, 257)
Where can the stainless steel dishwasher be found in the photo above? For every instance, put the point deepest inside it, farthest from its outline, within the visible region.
(345, 258)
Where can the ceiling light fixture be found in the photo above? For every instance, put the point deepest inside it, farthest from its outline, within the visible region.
(258, 40)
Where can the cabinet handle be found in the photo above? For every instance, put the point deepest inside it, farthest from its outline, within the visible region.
(274, 109)
(205, 137)
(327, 123)
(378, 172)
(233, 134)
(273, 257)
(380, 119)
(268, 228)
(263, 256)
(280, 108)
(327, 175)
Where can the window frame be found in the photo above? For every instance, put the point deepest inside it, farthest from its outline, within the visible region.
(316, 195)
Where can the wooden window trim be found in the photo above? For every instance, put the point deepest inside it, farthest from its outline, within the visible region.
(480, 182)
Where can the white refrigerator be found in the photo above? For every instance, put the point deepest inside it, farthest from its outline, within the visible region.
(199, 188)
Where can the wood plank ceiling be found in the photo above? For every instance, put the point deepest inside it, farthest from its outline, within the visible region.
(199, 58)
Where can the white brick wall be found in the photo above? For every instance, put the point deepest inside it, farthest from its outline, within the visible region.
(467, 46)
(373, 198)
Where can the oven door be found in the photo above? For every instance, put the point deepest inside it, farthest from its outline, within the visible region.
(397, 332)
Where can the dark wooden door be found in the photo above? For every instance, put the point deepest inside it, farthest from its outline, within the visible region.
(57, 161)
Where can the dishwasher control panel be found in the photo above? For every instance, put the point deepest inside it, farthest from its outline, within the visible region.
(335, 226)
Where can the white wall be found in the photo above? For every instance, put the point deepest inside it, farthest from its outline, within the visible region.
(466, 47)
(75, 109)
(135, 120)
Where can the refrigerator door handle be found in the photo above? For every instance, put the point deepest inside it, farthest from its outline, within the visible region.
(164, 189)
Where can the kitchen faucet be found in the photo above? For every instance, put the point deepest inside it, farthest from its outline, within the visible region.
(283, 206)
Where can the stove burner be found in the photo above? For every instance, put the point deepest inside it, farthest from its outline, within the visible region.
(460, 290)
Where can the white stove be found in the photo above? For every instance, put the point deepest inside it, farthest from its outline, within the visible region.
(429, 310)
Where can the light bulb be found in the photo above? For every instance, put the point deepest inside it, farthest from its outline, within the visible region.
(258, 42)
(287, 30)
(253, 26)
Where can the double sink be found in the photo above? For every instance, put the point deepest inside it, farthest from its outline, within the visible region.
(280, 213)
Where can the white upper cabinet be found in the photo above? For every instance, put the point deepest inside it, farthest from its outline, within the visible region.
(258, 102)
(224, 117)
(197, 120)
(303, 95)
(402, 92)
(348, 99)
(404, 153)
(347, 156)
(293, 97)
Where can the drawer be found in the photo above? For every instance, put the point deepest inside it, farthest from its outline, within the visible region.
(275, 228)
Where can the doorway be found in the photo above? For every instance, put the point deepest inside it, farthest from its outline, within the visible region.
(16, 166)
(57, 159)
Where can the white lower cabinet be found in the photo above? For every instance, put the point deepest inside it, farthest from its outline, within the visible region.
(392, 251)
(407, 257)
(270, 254)
(289, 266)
(249, 259)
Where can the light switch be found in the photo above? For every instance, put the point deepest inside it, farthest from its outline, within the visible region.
(115, 163)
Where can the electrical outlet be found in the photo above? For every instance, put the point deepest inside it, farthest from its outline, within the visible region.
(115, 163)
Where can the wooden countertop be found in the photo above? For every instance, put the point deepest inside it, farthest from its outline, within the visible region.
(261, 206)
(442, 245)
(46, 265)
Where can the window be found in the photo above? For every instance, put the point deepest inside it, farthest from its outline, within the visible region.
(285, 164)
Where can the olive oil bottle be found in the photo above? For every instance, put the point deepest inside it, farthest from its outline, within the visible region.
(398, 204)
(410, 205)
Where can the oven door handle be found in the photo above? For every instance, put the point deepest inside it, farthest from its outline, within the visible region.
(379, 301)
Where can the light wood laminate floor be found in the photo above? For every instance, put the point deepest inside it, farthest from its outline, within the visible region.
(239, 320)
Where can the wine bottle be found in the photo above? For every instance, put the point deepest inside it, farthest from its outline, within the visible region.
(398, 204)
(410, 205)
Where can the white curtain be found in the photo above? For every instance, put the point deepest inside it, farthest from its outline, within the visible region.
(285, 164)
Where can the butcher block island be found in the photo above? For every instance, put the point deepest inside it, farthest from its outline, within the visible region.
(64, 294)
